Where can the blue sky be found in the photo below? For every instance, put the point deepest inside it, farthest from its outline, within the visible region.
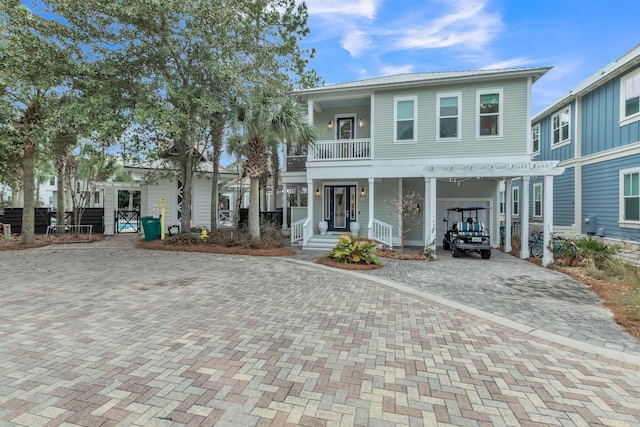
(358, 39)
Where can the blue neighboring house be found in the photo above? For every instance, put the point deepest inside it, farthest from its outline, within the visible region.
(594, 133)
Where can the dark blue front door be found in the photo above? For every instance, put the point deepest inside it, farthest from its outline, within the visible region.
(340, 206)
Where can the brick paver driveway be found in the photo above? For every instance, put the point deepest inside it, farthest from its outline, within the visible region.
(97, 336)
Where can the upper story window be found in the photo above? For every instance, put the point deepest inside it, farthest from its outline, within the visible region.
(630, 98)
(535, 138)
(448, 124)
(537, 199)
(405, 113)
(515, 201)
(52, 180)
(561, 126)
(630, 196)
(489, 108)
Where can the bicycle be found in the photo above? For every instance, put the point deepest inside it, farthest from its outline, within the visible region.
(559, 245)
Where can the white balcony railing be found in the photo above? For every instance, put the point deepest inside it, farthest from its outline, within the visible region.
(346, 149)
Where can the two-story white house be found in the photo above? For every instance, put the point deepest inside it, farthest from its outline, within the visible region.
(452, 137)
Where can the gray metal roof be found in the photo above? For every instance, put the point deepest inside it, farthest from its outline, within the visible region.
(606, 73)
(425, 78)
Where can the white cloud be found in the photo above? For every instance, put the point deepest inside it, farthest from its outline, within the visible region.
(363, 8)
(389, 70)
(356, 42)
(509, 63)
(468, 23)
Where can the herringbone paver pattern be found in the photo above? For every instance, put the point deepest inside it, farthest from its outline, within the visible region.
(99, 337)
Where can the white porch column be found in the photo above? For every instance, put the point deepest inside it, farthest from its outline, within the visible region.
(547, 255)
(285, 206)
(508, 220)
(110, 203)
(524, 219)
(371, 209)
(310, 195)
(430, 215)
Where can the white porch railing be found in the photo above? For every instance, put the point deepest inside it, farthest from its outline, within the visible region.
(346, 149)
(301, 231)
(297, 230)
(381, 232)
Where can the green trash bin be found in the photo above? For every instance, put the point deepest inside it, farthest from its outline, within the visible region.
(151, 227)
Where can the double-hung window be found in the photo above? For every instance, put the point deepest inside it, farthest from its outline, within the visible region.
(405, 118)
(630, 98)
(489, 113)
(501, 201)
(515, 201)
(630, 195)
(537, 200)
(535, 138)
(561, 126)
(448, 124)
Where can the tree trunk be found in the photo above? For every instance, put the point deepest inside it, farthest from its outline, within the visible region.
(275, 176)
(60, 205)
(187, 180)
(28, 181)
(254, 209)
(217, 128)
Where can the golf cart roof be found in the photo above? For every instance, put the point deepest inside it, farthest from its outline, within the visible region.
(467, 208)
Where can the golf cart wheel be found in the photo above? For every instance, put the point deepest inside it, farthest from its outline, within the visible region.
(485, 253)
(455, 252)
(445, 245)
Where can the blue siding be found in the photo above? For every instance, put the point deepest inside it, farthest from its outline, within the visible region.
(562, 153)
(600, 195)
(564, 198)
(601, 129)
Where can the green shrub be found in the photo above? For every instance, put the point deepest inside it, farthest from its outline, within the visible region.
(595, 251)
(183, 239)
(353, 250)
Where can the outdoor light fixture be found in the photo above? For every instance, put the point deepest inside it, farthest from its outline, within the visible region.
(317, 192)
(329, 125)
(361, 123)
(362, 192)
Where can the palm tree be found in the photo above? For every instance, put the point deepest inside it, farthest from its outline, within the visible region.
(267, 121)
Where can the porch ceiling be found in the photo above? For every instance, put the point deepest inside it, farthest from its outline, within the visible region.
(492, 169)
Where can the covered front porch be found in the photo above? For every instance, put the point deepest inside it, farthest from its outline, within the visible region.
(349, 203)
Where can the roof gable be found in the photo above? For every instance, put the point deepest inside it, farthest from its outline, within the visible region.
(608, 72)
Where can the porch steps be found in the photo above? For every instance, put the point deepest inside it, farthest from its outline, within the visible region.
(324, 243)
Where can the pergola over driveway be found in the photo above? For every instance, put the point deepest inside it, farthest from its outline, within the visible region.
(501, 171)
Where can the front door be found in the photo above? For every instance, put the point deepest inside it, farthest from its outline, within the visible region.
(340, 207)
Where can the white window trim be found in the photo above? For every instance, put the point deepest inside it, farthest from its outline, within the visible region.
(501, 202)
(501, 110)
(622, 222)
(563, 142)
(514, 199)
(634, 117)
(539, 214)
(536, 126)
(459, 116)
(397, 99)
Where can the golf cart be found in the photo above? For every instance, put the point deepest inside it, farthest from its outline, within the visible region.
(465, 233)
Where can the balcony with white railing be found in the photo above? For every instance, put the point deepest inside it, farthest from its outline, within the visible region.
(344, 149)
